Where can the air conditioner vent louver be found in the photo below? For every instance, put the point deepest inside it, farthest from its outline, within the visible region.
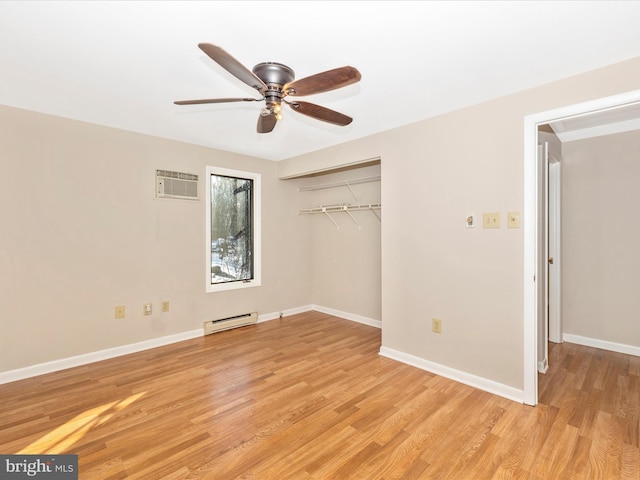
(178, 175)
(176, 185)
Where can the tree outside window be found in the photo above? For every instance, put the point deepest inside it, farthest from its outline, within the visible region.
(232, 229)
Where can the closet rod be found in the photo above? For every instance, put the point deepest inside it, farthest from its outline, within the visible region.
(327, 210)
(341, 183)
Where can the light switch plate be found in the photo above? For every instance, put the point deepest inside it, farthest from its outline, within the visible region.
(513, 219)
(490, 220)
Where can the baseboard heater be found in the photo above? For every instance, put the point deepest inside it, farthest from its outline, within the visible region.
(214, 326)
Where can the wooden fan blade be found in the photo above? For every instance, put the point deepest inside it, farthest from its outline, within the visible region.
(266, 123)
(321, 113)
(233, 66)
(323, 82)
(215, 100)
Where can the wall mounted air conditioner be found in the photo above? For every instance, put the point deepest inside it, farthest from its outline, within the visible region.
(176, 185)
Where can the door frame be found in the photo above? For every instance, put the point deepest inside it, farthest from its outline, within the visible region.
(532, 250)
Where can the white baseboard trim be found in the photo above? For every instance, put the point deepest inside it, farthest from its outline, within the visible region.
(348, 316)
(285, 313)
(543, 366)
(481, 383)
(78, 360)
(602, 344)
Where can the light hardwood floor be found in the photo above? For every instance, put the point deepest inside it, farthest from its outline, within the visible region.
(308, 397)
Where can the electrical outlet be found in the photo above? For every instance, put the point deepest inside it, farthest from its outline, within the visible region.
(165, 306)
(436, 325)
(147, 309)
(120, 311)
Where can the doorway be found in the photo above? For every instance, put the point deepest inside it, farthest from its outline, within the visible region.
(533, 247)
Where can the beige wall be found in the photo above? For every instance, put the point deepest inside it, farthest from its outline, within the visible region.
(600, 235)
(82, 232)
(434, 173)
(345, 260)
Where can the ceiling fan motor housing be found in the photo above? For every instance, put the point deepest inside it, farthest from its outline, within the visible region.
(271, 72)
(275, 76)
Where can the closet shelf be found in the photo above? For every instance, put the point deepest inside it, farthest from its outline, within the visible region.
(341, 208)
(342, 183)
(329, 209)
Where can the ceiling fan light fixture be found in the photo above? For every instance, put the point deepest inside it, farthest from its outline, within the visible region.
(277, 111)
(272, 108)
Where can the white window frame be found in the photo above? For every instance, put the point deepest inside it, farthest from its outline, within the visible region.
(257, 230)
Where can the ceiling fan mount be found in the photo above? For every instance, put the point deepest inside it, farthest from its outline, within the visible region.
(276, 81)
(274, 73)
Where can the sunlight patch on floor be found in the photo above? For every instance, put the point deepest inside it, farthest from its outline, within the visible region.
(62, 438)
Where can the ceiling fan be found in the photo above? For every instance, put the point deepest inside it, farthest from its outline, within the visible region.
(275, 82)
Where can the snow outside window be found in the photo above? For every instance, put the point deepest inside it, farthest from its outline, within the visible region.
(233, 229)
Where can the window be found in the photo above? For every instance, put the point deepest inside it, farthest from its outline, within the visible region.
(233, 229)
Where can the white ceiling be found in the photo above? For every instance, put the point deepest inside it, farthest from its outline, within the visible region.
(122, 64)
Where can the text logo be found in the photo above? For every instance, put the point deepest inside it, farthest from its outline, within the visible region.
(49, 467)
